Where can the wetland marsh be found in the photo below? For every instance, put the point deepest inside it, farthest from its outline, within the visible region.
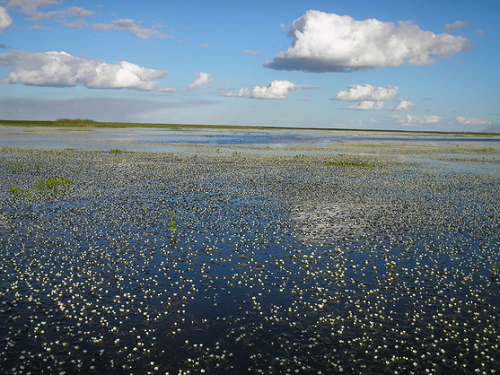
(351, 257)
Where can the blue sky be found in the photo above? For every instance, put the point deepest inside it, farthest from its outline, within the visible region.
(409, 65)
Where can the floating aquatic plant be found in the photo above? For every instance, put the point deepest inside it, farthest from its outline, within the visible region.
(40, 184)
(17, 168)
(14, 190)
(172, 225)
(116, 151)
(347, 164)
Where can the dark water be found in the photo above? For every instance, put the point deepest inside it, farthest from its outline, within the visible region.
(277, 264)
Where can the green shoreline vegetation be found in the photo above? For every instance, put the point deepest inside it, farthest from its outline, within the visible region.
(88, 123)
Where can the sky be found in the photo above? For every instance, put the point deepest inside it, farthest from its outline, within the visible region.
(396, 65)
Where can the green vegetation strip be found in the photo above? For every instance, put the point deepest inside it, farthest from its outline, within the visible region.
(91, 123)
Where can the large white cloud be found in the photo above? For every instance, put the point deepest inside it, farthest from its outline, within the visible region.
(203, 80)
(276, 90)
(327, 42)
(367, 92)
(472, 121)
(59, 69)
(5, 20)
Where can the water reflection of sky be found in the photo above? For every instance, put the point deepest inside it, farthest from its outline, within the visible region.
(166, 139)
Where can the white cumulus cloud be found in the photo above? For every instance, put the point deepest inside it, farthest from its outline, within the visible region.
(276, 90)
(5, 20)
(327, 42)
(367, 92)
(404, 105)
(372, 98)
(203, 80)
(472, 121)
(60, 69)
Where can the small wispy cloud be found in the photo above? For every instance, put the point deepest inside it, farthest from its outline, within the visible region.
(457, 25)
(471, 121)
(104, 27)
(251, 52)
(168, 89)
(77, 24)
(367, 105)
(409, 120)
(203, 80)
(276, 90)
(130, 26)
(30, 8)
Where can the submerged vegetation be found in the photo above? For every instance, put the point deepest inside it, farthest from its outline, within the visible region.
(267, 263)
(347, 164)
(171, 223)
(116, 151)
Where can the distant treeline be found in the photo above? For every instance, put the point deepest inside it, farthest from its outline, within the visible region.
(75, 122)
(62, 122)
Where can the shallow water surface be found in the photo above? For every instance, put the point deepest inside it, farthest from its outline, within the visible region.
(149, 139)
(361, 259)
